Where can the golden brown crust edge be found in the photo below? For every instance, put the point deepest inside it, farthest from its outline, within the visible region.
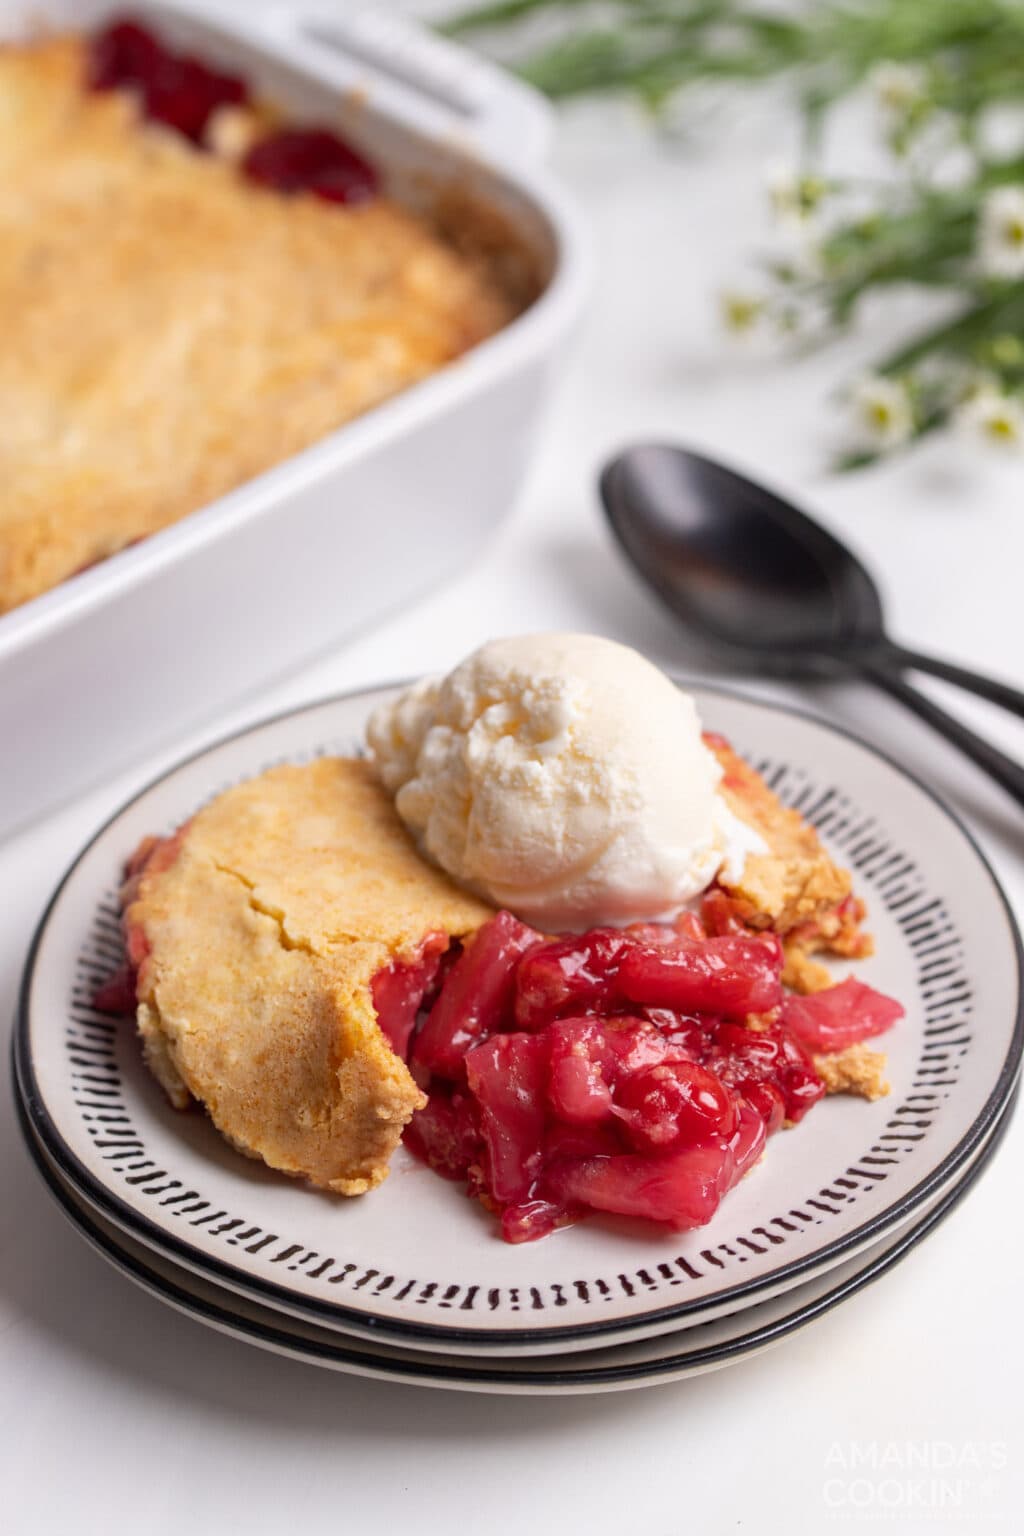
(284, 897)
(795, 888)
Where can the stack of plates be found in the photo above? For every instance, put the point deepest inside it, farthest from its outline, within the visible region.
(412, 1283)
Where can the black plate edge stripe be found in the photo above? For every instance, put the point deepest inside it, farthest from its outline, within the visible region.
(446, 1370)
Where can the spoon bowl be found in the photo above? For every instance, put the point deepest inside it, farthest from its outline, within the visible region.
(739, 565)
(772, 588)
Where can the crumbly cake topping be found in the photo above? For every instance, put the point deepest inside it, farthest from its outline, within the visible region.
(795, 880)
(857, 1070)
(172, 329)
(794, 888)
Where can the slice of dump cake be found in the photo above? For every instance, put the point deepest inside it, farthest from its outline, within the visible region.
(263, 937)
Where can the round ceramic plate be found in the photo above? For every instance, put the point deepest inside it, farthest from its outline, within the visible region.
(417, 1262)
(671, 1357)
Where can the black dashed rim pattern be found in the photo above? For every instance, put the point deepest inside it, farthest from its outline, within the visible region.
(450, 1371)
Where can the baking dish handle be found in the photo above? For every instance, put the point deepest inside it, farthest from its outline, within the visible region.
(474, 98)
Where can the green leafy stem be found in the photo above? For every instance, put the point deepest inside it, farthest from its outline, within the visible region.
(957, 59)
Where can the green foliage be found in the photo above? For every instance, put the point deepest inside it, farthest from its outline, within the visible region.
(937, 70)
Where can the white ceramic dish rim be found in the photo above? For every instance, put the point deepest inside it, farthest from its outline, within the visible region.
(379, 1362)
(530, 334)
(347, 1319)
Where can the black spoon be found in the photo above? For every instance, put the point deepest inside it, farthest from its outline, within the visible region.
(770, 586)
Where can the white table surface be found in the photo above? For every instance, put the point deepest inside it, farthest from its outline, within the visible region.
(119, 1414)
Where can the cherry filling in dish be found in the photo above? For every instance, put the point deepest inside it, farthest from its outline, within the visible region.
(175, 89)
(636, 1071)
(183, 93)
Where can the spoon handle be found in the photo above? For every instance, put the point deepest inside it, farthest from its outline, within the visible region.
(987, 687)
(1002, 768)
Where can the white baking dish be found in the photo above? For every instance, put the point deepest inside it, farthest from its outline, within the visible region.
(129, 653)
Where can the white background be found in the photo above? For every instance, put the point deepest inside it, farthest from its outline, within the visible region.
(117, 1413)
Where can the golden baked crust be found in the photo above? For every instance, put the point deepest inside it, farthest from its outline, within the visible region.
(259, 929)
(795, 888)
(172, 329)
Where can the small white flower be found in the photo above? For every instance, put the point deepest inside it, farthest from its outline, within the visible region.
(1001, 233)
(899, 88)
(794, 195)
(996, 418)
(883, 416)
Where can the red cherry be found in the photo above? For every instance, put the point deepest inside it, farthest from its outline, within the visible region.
(398, 992)
(570, 976)
(476, 998)
(123, 53)
(730, 975)
(840, 1016)
(311, 160)
(672, 1103)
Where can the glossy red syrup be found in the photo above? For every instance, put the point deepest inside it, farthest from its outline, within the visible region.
(633, 1071)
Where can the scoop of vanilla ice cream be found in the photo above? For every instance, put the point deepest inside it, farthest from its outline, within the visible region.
(563, 777)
